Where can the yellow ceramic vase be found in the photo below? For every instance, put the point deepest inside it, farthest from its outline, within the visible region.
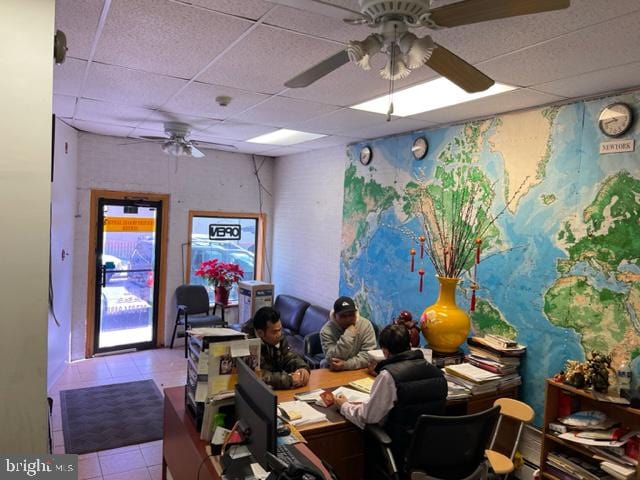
(444, 324)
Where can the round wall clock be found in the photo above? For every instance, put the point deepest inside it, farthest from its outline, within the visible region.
(365, 155)
(419, 148)
(615, 119)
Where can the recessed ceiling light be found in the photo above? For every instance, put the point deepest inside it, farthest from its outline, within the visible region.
(427, 96)
(285, 137)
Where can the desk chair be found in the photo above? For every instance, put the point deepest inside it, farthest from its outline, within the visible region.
(442, 447)
(193, 311)
(313, 353)
(519, 412)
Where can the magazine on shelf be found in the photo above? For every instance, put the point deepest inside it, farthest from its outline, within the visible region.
(222, 363)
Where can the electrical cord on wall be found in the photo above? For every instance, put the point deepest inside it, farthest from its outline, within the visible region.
(256, 172)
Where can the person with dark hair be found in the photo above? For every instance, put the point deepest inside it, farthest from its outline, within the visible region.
(346, 337)
(406, 386)
(281, 367)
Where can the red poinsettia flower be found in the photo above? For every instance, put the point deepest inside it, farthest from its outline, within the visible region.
(220, 274)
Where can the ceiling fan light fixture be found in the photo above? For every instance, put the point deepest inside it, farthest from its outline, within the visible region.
(428, 96)
(395, 68)
(419, 52)
(360, 52)
(174, 148)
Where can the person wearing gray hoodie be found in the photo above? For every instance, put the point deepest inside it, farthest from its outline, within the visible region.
(346, 337)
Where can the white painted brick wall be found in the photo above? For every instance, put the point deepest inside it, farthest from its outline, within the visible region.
(307, 224)
(221, 181)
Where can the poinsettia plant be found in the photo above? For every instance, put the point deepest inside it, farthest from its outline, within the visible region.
(220, 274)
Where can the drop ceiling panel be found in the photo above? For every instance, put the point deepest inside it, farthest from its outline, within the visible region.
(255, 148)
(164, 37)
(600, 81)
(266, 58)
(199, 99)
(343, 122)
(484, 107)
(111, 113)
(102, 129)
(315, 24)
(282, 151)
(284, 112)
(63, 105)
(483, 41)
(67, 78)
(134, 87)
(604, 45)
(396, 125)
(252, 9)
(331, 141)
(78, 20)
(237, 131)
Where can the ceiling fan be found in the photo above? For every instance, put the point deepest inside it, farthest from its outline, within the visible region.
(178, 143)
(404, 50)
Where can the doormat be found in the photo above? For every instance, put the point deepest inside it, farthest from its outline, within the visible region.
(111, 416)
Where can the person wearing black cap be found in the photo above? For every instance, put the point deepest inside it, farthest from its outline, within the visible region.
(346, 337)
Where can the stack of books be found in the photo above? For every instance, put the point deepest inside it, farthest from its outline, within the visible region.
(478, 380)
(566, 467)
(497, 355)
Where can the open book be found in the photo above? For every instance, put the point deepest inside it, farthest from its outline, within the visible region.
(362, 384)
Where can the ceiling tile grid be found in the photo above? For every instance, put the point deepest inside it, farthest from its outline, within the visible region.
(67, 78)
(78, 20)
(111, 113)
(64, 105)
(164, 37)
(284, 112)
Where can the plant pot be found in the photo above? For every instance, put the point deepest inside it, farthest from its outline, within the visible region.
(444, 324)
(221, 295)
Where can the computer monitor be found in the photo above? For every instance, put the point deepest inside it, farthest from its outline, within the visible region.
(256, 410)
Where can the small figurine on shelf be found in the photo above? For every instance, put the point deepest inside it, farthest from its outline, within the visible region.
(598, 366)
(405, 318)
(575, 373)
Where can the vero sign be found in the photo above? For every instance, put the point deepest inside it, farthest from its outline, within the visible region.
(219, 231)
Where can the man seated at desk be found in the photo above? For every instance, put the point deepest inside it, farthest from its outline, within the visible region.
(406, 386)
(281, 367)
(346, 337)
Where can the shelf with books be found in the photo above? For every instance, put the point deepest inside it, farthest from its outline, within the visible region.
(565, 459)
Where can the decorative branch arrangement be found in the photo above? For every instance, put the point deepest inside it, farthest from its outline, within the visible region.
(457, 220)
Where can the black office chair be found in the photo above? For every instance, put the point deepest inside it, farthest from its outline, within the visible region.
(313, 353)
(441, 448)
(193, 311)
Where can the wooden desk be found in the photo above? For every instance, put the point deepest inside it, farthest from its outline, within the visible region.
(339, 443)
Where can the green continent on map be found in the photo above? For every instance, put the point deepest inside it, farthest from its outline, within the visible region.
(606, 319)
(600, 316)
(612, 225)
(361, 198)
(488, 319)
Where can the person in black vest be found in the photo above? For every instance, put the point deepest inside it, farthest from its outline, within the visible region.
(406, 386)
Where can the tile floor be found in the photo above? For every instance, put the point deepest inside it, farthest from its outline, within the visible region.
(167, 368)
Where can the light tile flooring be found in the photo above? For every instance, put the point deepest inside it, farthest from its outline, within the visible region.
(167, 368)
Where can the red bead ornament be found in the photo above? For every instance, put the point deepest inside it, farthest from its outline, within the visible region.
(412, 252)
(422, 238)
(421, 273)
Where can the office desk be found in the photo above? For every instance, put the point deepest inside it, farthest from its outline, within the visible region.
(339, 443)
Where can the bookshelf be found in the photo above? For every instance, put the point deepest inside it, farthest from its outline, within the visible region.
(581, 400)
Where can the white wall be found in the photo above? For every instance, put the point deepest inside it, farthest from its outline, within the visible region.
(221, 181)
(63, 209)
(307, 226)
(26, 36)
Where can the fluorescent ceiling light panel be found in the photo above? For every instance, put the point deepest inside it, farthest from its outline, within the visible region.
(428, 96)
(285, 137)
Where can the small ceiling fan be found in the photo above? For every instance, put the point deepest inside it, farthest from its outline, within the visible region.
(404, 50)
(178, 144)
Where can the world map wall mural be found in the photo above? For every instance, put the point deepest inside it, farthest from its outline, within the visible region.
(559, 268)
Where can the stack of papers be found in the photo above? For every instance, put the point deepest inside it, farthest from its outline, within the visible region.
(363, 384)
(309, 397)
(456, 392)
(471, 373)
(301, 413)
(352, 395)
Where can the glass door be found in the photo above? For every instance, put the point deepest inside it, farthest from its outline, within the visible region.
(127, 266)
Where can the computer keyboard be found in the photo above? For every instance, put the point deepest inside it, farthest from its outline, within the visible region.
(288, 456)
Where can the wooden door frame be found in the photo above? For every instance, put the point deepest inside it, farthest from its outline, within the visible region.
(91, 269)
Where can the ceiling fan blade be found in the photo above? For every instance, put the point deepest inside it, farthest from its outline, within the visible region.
(152, 137)
(195, 153)
(318, 71)
(319, 6)
(474, 11)
(212, 144)
(460, 72)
